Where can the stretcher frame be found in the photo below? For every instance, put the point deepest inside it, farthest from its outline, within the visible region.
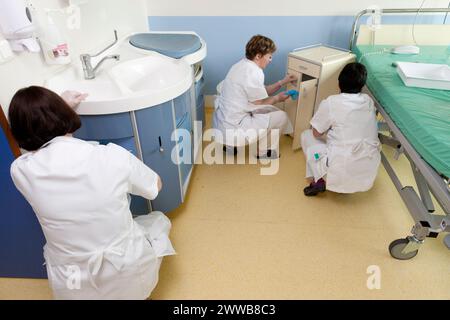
(428, 180)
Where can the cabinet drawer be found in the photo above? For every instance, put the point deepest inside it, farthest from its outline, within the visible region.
(305, 67)
(105, 127)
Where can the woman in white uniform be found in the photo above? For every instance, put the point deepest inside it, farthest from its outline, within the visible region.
(342, 149)
(79, 192)
(244, 102)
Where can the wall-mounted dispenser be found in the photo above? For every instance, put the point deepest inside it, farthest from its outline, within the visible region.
(17, 26)
(54, 46)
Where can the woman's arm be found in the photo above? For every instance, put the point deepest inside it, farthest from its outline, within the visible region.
(272, 100)
(271, 89)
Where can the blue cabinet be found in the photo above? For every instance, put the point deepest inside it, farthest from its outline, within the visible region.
(155, 126)
(21, 236)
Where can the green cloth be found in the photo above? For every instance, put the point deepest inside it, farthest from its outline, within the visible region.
(422, 115)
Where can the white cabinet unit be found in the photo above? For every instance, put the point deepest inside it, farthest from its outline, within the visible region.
(317, 69)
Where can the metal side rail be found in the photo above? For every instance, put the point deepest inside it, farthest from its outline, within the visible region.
(354, 34)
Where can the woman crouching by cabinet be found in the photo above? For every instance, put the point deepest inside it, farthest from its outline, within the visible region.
(79, 192)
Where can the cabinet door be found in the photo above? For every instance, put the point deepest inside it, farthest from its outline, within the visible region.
(305, 109)
(185, 127)
(184, 137)
(201, 109)
(182, 106)
(155, 126)
(200, 101)
(290, 105)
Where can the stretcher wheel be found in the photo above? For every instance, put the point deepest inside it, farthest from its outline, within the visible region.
(396, 247)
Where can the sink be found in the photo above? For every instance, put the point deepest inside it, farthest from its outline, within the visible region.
(153, 74)
(140, 80)
(100, 89)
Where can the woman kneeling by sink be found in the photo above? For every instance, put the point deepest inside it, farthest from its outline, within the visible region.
(79, 192)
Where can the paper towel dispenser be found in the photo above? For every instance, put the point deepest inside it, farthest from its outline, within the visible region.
(16, 25)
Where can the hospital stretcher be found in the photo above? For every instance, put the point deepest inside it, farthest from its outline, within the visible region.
(416, 121)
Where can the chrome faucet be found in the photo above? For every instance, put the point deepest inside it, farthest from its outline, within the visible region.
(89, 71)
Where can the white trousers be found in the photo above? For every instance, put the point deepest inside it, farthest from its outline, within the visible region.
(315, 151)
(277, 120)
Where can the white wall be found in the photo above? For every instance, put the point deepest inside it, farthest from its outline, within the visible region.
(98, 19)
(277, 7)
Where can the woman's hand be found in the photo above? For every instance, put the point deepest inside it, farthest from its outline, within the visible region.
(73, 98)
(289, 78)
(282, 96)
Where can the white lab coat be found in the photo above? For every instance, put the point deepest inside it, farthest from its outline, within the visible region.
(234, 110)
(79, 192)
(350, 157)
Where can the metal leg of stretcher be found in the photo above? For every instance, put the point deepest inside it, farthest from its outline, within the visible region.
(424, 191)
(422, 185)
(394, 143)
(427, 225)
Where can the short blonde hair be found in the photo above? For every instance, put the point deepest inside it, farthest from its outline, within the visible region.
(259, 45)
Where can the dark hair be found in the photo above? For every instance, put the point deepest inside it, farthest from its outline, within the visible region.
(37, 115)
(352, 78)
(259, 45)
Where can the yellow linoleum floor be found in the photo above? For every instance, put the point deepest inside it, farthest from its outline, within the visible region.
(241, 235)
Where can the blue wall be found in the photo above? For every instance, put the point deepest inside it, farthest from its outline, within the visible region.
(226, 37)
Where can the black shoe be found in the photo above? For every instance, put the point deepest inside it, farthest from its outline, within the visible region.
(314, 189)
(235, 150)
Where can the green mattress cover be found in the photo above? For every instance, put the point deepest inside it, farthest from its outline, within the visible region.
(422, 115)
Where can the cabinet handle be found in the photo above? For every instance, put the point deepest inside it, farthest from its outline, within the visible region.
(302, 67)
(161, 149)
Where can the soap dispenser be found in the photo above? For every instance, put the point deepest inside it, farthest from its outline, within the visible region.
(54, 46)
